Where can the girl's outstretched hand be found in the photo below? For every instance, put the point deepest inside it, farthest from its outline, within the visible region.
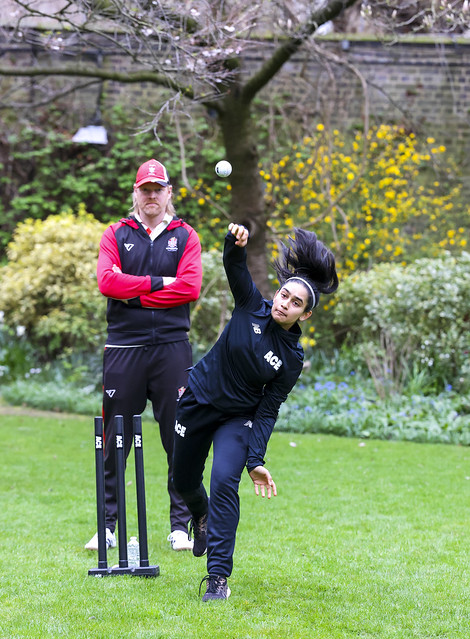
(261, 477)
(240, 232)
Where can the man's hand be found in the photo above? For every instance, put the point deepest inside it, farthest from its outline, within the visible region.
(262, 477)
(240, 232)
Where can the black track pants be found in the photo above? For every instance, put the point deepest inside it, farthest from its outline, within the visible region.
(197, 427)
(130, 377)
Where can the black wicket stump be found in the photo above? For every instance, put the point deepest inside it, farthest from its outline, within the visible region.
(144, 569)
(140, 490)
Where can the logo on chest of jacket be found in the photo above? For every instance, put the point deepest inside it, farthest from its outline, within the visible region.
(256, 328)
(110, 392)
(128, 247)
(274, 360)
(172, 244)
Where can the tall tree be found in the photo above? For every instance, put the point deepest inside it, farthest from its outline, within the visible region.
(195, 49)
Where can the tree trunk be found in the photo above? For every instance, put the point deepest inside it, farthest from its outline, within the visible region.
(247, 205)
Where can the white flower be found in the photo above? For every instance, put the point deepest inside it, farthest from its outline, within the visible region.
(20, 331)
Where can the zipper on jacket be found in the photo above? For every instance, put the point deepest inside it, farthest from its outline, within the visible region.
(154, 332)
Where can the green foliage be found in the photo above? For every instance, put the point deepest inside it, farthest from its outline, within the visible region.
(351, 408)
(16, 353)
(47, 172)
(419, 313)
(50, 172)
(51, 396)
(212, 310)
(330, 397)
(49, 284)
(386, 196)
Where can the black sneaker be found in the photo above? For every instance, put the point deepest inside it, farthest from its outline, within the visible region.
(217, 587)
(198, 532)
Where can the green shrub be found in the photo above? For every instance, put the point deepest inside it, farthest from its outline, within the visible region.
(351, 408)
(410, 318)
(49, 284)
(46, 171)
(62, 398)
(49, 290)
(323, 401)
(212, 311)
(16, 353)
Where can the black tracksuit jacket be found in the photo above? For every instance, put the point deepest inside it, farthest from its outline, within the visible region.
(254, 364)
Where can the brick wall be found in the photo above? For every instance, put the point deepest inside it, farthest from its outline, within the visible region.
(424, 85)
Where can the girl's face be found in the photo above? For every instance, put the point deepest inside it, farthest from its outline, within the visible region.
(289, 305)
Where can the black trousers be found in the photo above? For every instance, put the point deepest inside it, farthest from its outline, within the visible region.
(130, 377)
(198, 426)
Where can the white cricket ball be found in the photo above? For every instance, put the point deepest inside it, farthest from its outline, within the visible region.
(223, 168)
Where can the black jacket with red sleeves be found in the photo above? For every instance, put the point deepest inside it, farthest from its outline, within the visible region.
(140, 309)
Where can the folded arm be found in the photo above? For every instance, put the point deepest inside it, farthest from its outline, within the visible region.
(146, 290)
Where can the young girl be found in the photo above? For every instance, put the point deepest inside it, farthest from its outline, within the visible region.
(235, 391)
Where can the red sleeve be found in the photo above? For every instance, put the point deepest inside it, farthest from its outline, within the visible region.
(119, 286)
(188, 282)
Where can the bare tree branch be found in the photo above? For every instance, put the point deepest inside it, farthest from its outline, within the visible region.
(135, 77)
(54, 97)
(272, 66)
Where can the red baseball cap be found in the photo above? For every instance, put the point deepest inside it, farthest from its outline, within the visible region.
(152, 171)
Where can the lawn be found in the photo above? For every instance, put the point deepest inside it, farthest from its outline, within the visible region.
(365, 540)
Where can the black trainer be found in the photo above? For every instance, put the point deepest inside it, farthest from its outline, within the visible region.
(217, 587)
(198, 532)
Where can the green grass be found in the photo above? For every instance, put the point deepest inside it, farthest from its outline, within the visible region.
(365, 540)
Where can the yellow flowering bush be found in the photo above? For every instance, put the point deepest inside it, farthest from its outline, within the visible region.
(386, 196)
(373, 198)
(48, 287)
(381, 197)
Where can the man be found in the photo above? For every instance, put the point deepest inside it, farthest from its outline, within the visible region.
(149, 268)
